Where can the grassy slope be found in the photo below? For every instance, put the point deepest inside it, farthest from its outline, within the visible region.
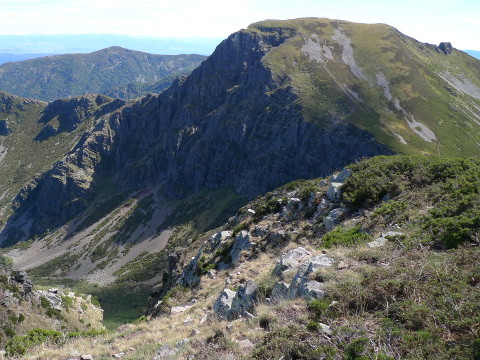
(410, 67)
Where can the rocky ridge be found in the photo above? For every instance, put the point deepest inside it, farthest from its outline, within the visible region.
(292, 253)
(24, 308)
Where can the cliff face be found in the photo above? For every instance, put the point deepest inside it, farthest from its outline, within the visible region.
(228, 124)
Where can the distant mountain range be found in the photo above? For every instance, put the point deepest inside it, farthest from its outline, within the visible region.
(474, 53)
(114, 71)
(7, 57)
(85, 43)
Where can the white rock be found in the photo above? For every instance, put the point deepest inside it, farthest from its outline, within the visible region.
(245, 344)
(75, 353)
(378, 242)
(212, 274)
(241, 242)
(291, 260)
(179, 309)
(333, 192)
(342, 176)
(244, 299)
(319, 261)
(223, 304)
(216, 240)
(326, 329)
(392, 233)
(279, 292)
(188, 321)
(313, 290)
(333, 218)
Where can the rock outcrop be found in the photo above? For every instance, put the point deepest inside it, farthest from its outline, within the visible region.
(23, 308)
(232, 304)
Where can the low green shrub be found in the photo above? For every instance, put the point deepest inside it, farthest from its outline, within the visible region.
(354, 350)
(344, 237)
(270, 206)
(266, 322)
(239, 228)
(313, 326)
(18, 345)
(292, 342)
(476, 349)
(449, 186)
(317, 308)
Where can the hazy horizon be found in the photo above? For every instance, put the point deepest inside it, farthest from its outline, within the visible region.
(432, 21)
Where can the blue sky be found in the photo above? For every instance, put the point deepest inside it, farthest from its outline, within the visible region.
(433, 21)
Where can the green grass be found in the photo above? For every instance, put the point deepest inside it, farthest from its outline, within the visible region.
(412, 71)
(345, 237)
(205, 209)
(121, 303)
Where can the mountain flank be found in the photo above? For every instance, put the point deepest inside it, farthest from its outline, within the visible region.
(334, 268)
(60, 76)
(122, 185)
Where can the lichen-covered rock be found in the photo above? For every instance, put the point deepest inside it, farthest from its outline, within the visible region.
(244, 299)
(4, 128)
(342, 176)
(231, 304)
(223, 304)
(291, 260)
(241, 242)
(301, 285)
(319, 261)
(217, 239)
(333, 218)
(165, 353)
(383, 240)
(277, 237)
(279, 292)
(322, 207)
(260, 231)
(190, 275)
(333, 192)
(312, 290)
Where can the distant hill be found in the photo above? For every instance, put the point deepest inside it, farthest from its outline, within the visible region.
(59, 76)
(7, 57)
(474, 53)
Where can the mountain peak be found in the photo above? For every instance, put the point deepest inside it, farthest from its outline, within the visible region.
(116, 50)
